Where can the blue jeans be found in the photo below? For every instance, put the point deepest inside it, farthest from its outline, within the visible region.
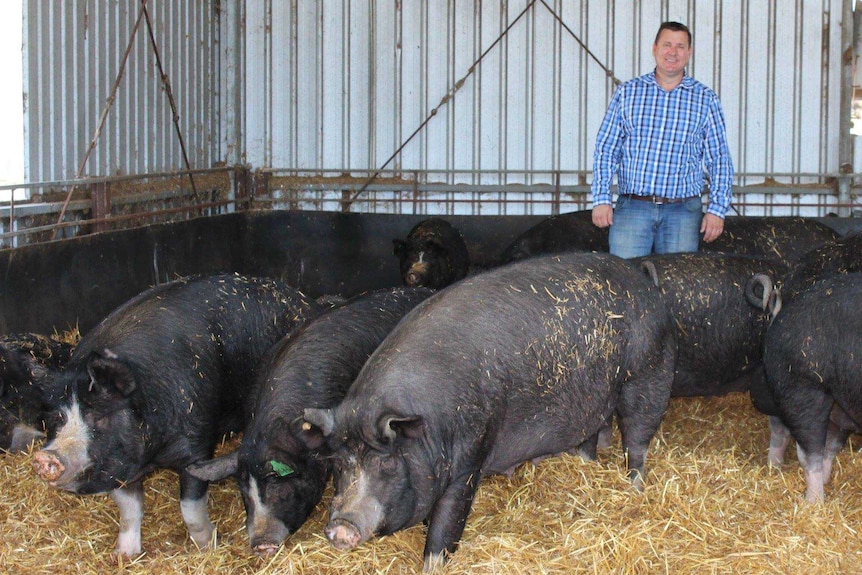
(641, 228)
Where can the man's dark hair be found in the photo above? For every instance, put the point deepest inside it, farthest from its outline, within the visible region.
(675, 27)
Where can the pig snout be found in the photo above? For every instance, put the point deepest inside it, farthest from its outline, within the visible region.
(49, 465)
(265, 549)
(342, 534)
(416, 275)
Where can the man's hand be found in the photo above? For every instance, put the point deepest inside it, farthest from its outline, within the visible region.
(711, 227)
(603, 215)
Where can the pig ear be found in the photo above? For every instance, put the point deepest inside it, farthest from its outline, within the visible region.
(393, 427)
(17, 364)
(399, 247)
(106, 369)
(215, 469)
(313, 427)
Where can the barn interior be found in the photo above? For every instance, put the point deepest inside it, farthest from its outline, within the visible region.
(272, 162)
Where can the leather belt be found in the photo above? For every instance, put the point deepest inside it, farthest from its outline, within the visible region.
(657, 200)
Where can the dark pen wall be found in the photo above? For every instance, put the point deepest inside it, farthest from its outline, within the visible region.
(74, 283)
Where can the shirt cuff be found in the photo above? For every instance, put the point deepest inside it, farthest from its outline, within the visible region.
(602, 199)
(716, 210)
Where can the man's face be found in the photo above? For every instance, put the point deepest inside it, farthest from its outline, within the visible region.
(671, 52)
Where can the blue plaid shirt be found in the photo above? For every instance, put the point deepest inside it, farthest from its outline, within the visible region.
(659, 142)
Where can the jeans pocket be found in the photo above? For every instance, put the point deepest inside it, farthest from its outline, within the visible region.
(694, 205)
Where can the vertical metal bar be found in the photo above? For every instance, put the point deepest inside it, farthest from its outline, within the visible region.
(320, 84)
(346, 83)
(451, 76)
(373, 79)
(845, 138)
(100, 205)
(556, 111)
(294, 82)
(12, 215)
(503, 86)
(27, 57)
(398, 83)
(771, 82)
(242, 186)
(825, 86)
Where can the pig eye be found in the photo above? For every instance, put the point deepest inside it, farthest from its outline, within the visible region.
(338, 465)
(55, 419)
(385, 463)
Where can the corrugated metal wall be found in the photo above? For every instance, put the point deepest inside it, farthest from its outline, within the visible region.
(74, 53)
(341, 85)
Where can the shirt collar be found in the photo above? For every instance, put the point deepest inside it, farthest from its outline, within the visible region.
(687, 81)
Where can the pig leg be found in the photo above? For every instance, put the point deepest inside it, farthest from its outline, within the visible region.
(587, 449)
(130, 501)
(812, 464)
(606, 433)
(193, 504)
(840, 428)
(835, 440)
(779, 439)
(641, 407)
(805, 408)
(448, 519)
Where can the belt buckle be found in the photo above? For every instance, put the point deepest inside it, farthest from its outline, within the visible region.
(657, 200)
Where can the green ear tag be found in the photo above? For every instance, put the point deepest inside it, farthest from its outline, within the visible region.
(280, 469)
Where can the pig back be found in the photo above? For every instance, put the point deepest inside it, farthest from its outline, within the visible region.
(529, 356)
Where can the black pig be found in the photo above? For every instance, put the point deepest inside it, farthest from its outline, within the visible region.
(28, 365)
(517, 363)
(156, 384)
(721, 304)
(775, 237)
(280, 481)
(571, 232)
(433, 255)
(840, 256)
(812, 362)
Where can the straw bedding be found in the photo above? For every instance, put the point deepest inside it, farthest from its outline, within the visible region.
(711, 505)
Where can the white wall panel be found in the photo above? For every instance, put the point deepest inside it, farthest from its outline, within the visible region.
(338, 86)
(367, 74)
(73, 52)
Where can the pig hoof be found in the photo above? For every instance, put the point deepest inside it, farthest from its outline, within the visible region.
(204, 539)
(129, 547)
(637, 479)
(342, 534)
(433, 562)
(266, 549)
(47, 466)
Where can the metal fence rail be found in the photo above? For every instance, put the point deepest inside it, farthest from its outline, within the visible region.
(71, 208)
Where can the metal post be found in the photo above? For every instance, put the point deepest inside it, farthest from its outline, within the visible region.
(242, 189)
(845, 138)
(100, 205)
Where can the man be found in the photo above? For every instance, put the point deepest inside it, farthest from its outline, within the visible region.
(660, 131)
